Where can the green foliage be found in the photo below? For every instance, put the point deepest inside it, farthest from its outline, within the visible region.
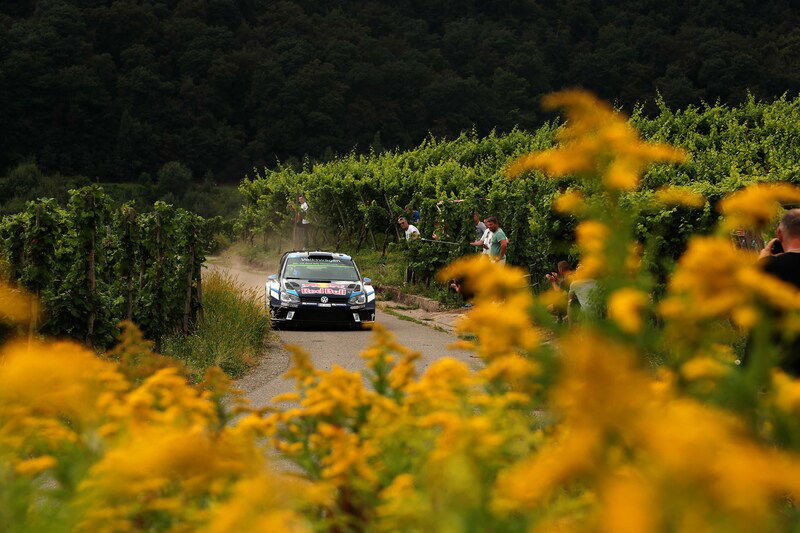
(356, 195)
(231, 334)
(173, 178)
(116, 88)
(27, 181)
(93, 265)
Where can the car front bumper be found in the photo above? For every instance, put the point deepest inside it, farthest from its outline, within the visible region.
(338, 314)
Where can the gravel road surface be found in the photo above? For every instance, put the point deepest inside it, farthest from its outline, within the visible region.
(327, 347)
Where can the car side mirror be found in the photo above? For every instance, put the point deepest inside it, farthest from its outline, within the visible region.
(272, 277)
(367, 281)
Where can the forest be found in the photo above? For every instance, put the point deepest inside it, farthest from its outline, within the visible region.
(115, 89)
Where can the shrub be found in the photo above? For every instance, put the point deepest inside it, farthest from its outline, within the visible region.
(231, 334)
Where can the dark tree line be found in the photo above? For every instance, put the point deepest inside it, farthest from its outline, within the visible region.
(112, 89)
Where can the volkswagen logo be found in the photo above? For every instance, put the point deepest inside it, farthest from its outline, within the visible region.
(324, 299)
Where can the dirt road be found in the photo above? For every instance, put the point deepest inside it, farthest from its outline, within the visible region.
(328, 347)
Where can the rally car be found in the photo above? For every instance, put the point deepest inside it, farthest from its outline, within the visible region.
(320, 287)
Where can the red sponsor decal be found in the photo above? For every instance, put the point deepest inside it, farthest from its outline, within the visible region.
(332, 292)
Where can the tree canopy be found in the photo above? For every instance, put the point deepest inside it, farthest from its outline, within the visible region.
(115, 88)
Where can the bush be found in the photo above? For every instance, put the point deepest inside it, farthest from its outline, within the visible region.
(230, 336)
(219, 242)
(174, 178)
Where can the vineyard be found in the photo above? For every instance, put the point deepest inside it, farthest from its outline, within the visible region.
(92, 266)
(637, 418)
(356, 199)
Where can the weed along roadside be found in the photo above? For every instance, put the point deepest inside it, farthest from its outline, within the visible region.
(232, 333)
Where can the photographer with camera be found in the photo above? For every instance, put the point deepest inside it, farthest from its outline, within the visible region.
(781, 256)
(558, 279)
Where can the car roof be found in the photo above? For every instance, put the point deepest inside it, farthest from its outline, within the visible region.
(318, 254)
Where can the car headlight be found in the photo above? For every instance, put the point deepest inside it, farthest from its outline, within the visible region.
(289, 297)
(358, 299)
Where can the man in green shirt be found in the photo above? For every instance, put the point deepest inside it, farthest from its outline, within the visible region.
(499, 244)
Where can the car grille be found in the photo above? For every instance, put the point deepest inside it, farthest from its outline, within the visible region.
(315, 298)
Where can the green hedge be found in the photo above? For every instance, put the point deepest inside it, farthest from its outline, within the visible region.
(356, 194)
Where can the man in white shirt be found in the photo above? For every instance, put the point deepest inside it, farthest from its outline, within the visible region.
(411, 230)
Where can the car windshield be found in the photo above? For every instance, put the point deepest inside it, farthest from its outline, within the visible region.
(320, 269)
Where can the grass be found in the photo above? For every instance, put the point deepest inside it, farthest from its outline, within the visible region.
(232, 334)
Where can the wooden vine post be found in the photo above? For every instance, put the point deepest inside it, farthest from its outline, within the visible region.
(92, 288)
(187, 305)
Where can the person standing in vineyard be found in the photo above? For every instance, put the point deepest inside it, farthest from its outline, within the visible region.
(301, 223)
(411, 231)
(480, 227)
(499, 242)
(484, 239)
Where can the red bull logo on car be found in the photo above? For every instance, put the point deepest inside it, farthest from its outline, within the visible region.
(323, 290)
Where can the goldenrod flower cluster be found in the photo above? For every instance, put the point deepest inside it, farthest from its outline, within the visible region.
(633, 418)
(595, 142)
(671, 195)
(83, 448)
(757, 206)
(716, 280)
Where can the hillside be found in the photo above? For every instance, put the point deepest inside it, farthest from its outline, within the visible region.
(113, 89)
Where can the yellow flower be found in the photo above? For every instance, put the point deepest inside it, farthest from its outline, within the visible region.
(595, 140)
(670, 195)
(706, 282)
(31, 467)
(261, 503)
(58, 380)
(787, 391)
(625, 308)
(591, 237)
(286, 397)
(302, 370)
(756, 206)
(569, 202)
(16, 305)
(499, 290)
(349, 457)
(630, 503)
(510, 369)
(528, 482)
(745, 316)
(704, 367)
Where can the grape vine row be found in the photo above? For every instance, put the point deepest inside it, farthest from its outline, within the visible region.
(92, 265)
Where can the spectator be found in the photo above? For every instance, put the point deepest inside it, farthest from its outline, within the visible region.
(412, 233)
(582, 300)
(558, 279)
(457, 285)
(499, 242)
(480, 227)
(781, 258)
(301, 223)
(415, 216)
(484, 241)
